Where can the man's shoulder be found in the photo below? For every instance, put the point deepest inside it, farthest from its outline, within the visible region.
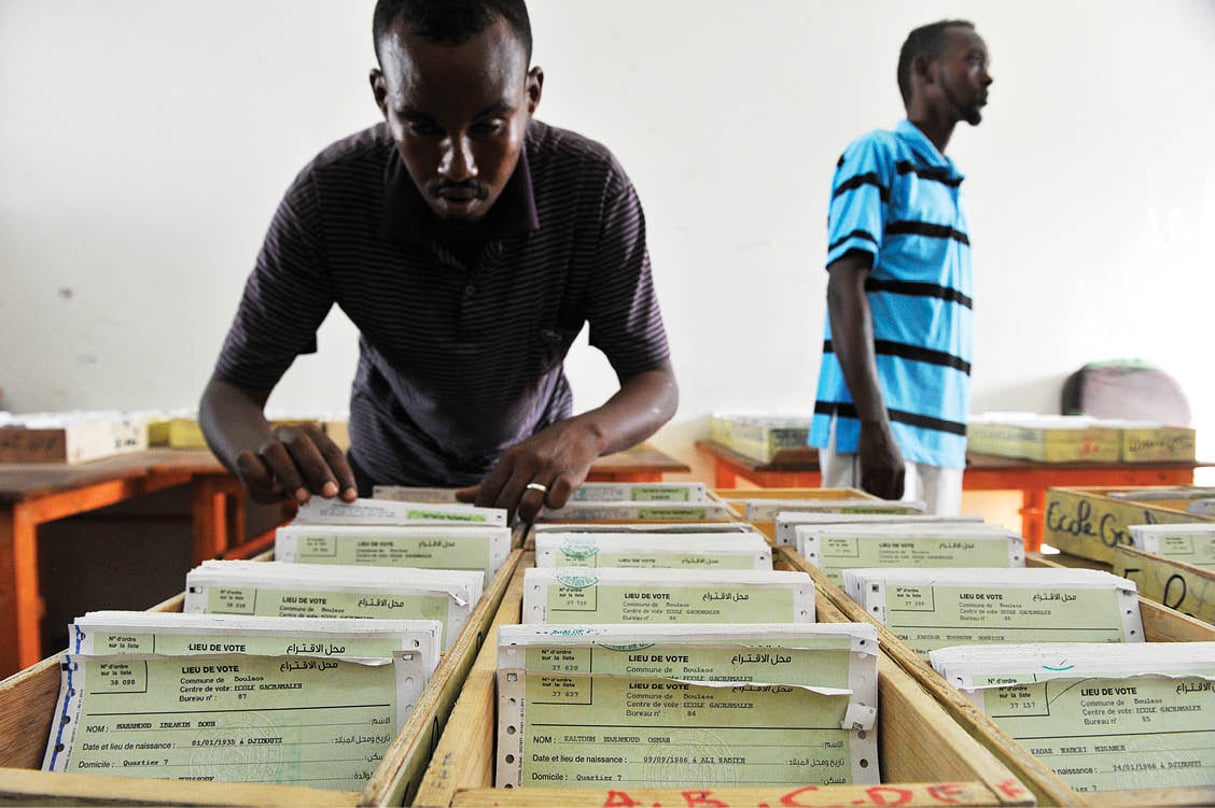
(875, 140)
(560, 154)
(367, 146)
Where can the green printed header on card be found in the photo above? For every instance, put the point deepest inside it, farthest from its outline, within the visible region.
(294, 603)
(635, 603)
(446, 516)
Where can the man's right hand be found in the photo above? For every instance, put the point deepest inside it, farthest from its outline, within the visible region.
(296, 463)
(882, 468)
(290, 462)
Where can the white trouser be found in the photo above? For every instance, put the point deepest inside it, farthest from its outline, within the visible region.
(939, 488)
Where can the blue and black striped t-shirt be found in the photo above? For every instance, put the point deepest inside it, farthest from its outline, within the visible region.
(896, 197)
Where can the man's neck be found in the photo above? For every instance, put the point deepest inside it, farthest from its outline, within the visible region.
(936, 128)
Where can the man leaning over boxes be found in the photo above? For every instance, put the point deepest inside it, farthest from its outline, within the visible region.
(468, 242)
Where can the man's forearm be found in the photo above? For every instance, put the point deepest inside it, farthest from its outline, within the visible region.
(232, 420)
(644, 403)
(852, 339)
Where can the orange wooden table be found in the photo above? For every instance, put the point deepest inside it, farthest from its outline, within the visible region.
(641, 464)
(32, 494)
(989, 473)
(729, 467)
(983, 473)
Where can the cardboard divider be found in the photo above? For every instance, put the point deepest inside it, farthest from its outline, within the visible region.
(737, 499)
(1089, 522)
(27, 705)
(1188, 588)
(926, 758)
(1160, 624)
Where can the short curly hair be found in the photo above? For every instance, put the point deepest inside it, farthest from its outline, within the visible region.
(927, 40)
(451, 22)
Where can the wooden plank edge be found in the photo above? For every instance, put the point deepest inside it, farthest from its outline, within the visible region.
(23, 742)
(24, 787)
(918, 794)
(461, 769)
(465, 753)
(1196, 592)
(934, 741)
(1160, 623)
(409, 753)
(23, 746)
(1048, 787)
(1193, 795)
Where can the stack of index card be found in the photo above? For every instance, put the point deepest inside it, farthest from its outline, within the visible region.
(75, 436)
(641, 492)
(177, 633)
(627, 595)
(649, 511)
(273, 588)
(320, 511)
(452, 546)
(647, 528)
(1104, 717)
(671, 550)
(305, 701)
(767, 510)
(1188, 542)
(787, 521)
(837, 547)
(655, 706)
(934, 608)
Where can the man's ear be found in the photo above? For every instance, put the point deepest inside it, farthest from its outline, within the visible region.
(535, 87)
(924, 69)
(379, 89)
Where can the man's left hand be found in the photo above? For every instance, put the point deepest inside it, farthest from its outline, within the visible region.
(544, 470)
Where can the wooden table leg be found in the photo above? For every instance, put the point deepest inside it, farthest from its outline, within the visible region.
(20, 601)
(210, 518)
(1033, 509)
(724, 476)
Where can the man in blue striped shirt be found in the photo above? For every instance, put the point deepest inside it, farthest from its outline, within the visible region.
(894, 385)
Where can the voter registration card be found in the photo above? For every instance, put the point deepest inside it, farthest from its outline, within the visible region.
(653, 706)
(276, 589)
(178, 633)
(621, 595)
(934, 608)
(323, 723)
(1104, 718)
(835, 548)
(747, 551)
(460, 547)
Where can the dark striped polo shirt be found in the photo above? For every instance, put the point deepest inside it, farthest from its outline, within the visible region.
(896, 197)
(461, 343)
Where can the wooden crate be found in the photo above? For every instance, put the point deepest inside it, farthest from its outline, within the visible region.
(737, 499)
(73, 442)
(1088, 522)
(766, 439)
(1162, 444)
(1046, 439)
(1160, 624)
(27, 704)
(926, 758)
(1185, 587)
(713, 509)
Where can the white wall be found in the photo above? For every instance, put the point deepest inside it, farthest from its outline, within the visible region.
(144, 145)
